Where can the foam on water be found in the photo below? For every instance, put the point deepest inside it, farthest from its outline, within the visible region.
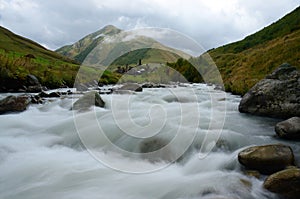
(42, 155)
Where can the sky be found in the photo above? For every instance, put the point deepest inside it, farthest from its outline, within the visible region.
(211, 23)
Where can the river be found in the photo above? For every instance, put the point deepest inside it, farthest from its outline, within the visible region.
(178, 143)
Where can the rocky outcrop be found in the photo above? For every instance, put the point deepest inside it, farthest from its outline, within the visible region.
(267, 159)
(285, 183)
(289, 129)
(278, 95)
(14, 104)
(89, 99)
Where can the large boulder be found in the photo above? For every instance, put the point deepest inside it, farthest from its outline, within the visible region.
(289, 129)
(278, 95)
(14, 104)
(267, 159)
(285, 183)
(89, 99)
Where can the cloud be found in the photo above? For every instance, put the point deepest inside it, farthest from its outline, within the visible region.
(210, 22)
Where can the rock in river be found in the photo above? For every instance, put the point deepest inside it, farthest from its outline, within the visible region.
(131, 87)
(289, 129)
(14, 104)
(278, 95)
(89, 99)
(267, 159)
(285, 183)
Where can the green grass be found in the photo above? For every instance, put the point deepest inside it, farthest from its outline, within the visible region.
(242, 64)
(11, 42)
(52, 69)
(240, 71)
(51, 73)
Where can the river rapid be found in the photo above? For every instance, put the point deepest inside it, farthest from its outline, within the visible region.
(162, 143)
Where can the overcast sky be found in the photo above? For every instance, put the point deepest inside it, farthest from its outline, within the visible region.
(54, 23)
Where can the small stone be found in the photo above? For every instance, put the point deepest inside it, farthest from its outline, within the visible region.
(247, 183)
(252, 173)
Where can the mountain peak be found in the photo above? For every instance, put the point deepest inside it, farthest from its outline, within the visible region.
(108, 30)
(110, 27)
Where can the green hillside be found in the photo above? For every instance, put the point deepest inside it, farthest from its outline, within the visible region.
(11, 42)
(242, 64)
(20, 56)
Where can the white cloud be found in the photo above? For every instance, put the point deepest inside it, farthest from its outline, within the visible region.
(210, 22)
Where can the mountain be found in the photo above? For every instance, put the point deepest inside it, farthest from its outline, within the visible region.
(244, 63)
(111, 45)
(20, 57)
(80, 50)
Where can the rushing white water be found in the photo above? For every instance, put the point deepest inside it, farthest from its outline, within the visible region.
(42, 156)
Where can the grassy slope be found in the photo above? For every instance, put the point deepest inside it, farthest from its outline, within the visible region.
(15, 43)
(244, 63)
(52, 69)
